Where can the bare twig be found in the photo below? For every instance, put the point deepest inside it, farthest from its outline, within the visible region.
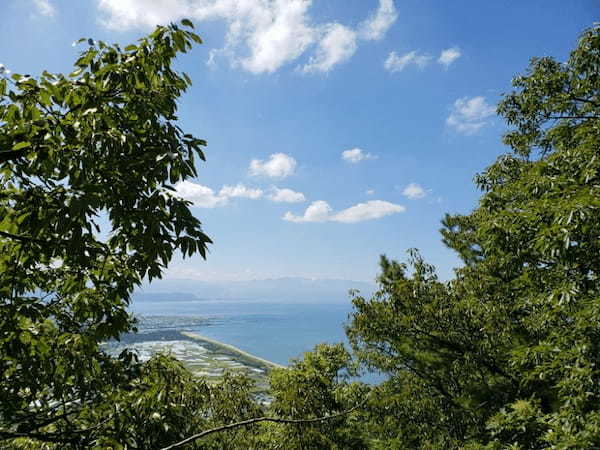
(243, 423)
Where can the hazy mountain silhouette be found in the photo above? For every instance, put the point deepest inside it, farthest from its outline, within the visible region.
(279, 289)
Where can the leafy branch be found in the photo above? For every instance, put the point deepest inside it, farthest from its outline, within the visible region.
(244, 423)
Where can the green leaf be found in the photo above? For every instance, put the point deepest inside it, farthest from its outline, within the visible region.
(21, 145)
(187, 23)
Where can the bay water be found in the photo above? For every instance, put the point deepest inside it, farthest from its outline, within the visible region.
(273, 331)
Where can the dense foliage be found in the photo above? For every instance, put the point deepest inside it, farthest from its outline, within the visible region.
(86, 212)
(505, 355)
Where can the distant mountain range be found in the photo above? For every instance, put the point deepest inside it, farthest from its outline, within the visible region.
(279, 290)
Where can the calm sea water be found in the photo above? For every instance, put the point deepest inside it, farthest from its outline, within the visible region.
(274, 331)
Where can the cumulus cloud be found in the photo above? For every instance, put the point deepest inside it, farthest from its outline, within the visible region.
(201, 196)
(375, 27)
(279, 165)
(268, 33)
(262, 35)
(337, 45)
(395, 63)
(414, 191)
(469, 115)
(204, 197)
(356, 155)
(285, 195)
(320, 211)
(448, 56)
(44, 7)
(239, 190)
(277, 34)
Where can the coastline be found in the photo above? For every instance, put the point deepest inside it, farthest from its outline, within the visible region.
(227, 348)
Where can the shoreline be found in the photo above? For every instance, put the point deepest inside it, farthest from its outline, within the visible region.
(232, 349)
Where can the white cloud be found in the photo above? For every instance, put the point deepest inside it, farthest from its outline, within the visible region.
(286, 196)
(240, 190)
(373, 209)
(468, 114)
(395, 63)
(201, 196)
(45, 8)
(320, 211)
(279, 165)
(375, 27)
(275, 32)
(448, 56)
(356, 155)
(268, 33)
(337, 45)
(370, 192)
(262, 35)
(205, 197)
(414, 191)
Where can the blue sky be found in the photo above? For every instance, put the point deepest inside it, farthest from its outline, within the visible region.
(338, 130)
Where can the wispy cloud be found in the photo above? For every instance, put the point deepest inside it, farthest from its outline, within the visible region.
(262, 35)
(395, 63)
(469, 115)
(241, 191)
(279, 165)
(414, 191)
(448, 56)
(356, 155)
(375, 27)
(337, 45)
(45, 8)
(320, 211)
(285, 195)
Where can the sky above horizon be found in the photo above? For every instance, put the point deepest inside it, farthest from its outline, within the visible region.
(337, 130)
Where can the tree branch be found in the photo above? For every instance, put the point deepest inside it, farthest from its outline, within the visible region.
(243, 423)
(56, 437)
(585, 100)
(9, 155)
(18, 237)
(489, 364)
(573, 117)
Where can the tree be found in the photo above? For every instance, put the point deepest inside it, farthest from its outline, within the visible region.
(87, 210)
(317, 386)
(507, 354)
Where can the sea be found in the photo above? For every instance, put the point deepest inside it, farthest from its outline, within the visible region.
(274, 331)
